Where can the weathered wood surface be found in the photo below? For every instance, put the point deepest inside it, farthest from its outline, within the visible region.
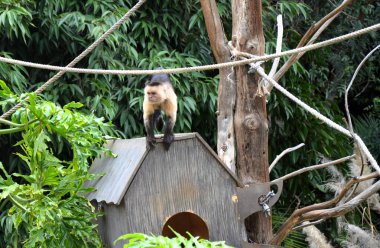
(119, 171)
(251, 125)
(186, 178)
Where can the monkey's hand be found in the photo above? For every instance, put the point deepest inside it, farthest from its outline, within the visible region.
(168, 139)
(150, 142)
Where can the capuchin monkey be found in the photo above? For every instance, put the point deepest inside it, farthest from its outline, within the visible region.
(159, 96)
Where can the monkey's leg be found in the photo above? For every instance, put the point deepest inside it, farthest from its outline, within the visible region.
(149, 123)
(168, 135)
(170, 108)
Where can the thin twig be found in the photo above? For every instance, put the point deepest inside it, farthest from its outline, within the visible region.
(278, 157)
(350, 84)
(308, 223)
(313, 167)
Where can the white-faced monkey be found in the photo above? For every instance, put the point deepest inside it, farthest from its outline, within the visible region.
(159, 96)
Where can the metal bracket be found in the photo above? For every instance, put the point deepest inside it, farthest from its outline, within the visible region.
(248, 197)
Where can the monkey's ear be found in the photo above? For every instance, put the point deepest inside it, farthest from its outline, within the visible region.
(147, 82)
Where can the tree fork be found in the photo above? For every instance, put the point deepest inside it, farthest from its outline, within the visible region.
(250, 119)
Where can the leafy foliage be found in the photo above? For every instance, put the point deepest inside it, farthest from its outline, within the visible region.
(368, 127)
(139, 240)
(157, 37)
(172, 34)
(295, 239)
(321, 82)
(43, 206)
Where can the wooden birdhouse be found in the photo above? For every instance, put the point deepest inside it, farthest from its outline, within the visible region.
(147, 190)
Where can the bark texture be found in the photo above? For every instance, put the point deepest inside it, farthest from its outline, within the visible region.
(250, 119)
(227, 86)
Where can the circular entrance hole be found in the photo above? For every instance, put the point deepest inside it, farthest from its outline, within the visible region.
(186, 222)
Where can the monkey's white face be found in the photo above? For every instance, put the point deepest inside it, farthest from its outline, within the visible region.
(155, 94)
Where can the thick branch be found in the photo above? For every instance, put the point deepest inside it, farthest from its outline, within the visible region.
(348, 206)
(216, 35)
(319, 211)
(227, 87)
(316, 28)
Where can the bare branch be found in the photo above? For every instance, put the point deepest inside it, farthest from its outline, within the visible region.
(323, 118)
(313, 167)
(280, 31)
(348, 206)
(319, 211)
(278, 157)
(350, 84)
(365, 150)
(316, 28)
(307, 223)
(350, 126)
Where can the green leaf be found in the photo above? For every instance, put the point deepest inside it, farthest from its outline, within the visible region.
(74, 105)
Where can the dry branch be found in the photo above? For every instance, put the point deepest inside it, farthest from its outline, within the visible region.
(313, 167)
(315, 29)
(286, 151)
(273, 70)
(319, 211)
(280, 31)
(306, 224)
(350, 84)
(348, 206)
(323, 118)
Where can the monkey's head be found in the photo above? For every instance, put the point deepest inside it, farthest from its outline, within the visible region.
(155, 88)
(155, 93)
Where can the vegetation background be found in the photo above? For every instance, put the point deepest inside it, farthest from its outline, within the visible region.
(169, 34)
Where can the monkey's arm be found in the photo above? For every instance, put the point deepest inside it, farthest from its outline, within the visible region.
(150, 118)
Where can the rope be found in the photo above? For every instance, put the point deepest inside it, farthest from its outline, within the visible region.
(321, 117)
(63, 70)
(196, 68)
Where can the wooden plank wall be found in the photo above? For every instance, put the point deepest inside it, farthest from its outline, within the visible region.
(186, 178)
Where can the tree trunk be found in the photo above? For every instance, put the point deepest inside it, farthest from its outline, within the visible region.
(248, 122)
(250, 119)
(227, 86)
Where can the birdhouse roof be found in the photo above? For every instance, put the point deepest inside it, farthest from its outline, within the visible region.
(118, 172)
